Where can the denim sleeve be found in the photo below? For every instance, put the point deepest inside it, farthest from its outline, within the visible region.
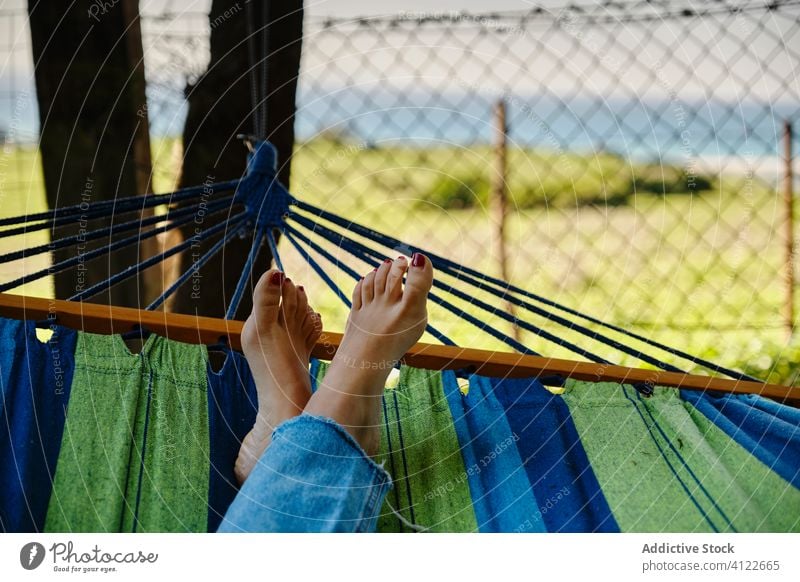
(313, 477)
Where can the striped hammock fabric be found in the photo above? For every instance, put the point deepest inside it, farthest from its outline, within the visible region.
(98, 439)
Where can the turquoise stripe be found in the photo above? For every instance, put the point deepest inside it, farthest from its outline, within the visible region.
(565, 486)
(502, 495)
(767, 430)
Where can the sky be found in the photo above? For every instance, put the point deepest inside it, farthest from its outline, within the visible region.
(673, 39)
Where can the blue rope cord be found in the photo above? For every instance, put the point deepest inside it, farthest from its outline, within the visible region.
(592, 334)
(195, 267)
(93, 254)
(288, 230)
(340, 239)
(132, 270)
(102, 214)
(497, 334)
(273, 248)
(258, 238)
(472, 277)
(530, 307)
(453, 269)
(109, 230)
(368, 255)
(318, 270)
(120, 205)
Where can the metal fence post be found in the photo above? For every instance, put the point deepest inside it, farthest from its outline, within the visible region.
(789, 209)
(498, 198)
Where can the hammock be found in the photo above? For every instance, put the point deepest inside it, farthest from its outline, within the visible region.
(99, 439)
(96, 438)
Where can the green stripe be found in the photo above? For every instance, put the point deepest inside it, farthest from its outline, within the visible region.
(92, 471)
(173, 489)
(97, 477)
(428, 472)
(692, 477)
(755, 498)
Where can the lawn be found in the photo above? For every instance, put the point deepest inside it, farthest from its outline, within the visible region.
(694, 269)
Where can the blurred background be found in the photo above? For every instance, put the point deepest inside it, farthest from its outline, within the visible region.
(632, 159)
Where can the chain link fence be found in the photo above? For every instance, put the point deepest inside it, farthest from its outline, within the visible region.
(645, 155)
(645, 171)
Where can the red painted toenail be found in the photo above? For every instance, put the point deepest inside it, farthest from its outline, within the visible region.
(277, 278)
(301, 288)
(401, 257)
(418, 260)
(387, 260)
(375, 269)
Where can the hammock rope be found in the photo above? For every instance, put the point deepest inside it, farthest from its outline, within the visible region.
(132, 270)
(287, 230)
(497, 334)
(202, 260)
(98, 252)
(269, 207)
(105, 208)
(273, 247)
(107, 231)
(500, 289)
(258, 238)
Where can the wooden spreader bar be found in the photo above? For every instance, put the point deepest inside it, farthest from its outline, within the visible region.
(105, 319)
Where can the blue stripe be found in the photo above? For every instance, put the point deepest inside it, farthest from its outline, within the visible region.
(314, 371)
(232, 408)
(767, 430)
(564, 484)
(501, 492)
(35, 382)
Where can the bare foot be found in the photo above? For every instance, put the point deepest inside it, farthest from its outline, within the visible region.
(386, 320)
(277, 340)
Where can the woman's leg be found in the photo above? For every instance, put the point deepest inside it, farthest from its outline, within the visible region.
(317, 475)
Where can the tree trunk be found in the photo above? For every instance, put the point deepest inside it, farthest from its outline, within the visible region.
(219, 108)
(94, 143)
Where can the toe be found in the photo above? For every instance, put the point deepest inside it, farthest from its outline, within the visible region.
(312, 328)
(419, 279)
(381, 275)
(302, 308)
(357, 294)
(394, 281)
(267, 297)
(289, 304)
(368, 288)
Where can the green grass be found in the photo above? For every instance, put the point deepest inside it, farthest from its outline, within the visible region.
(694, 270)
(22, 193)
